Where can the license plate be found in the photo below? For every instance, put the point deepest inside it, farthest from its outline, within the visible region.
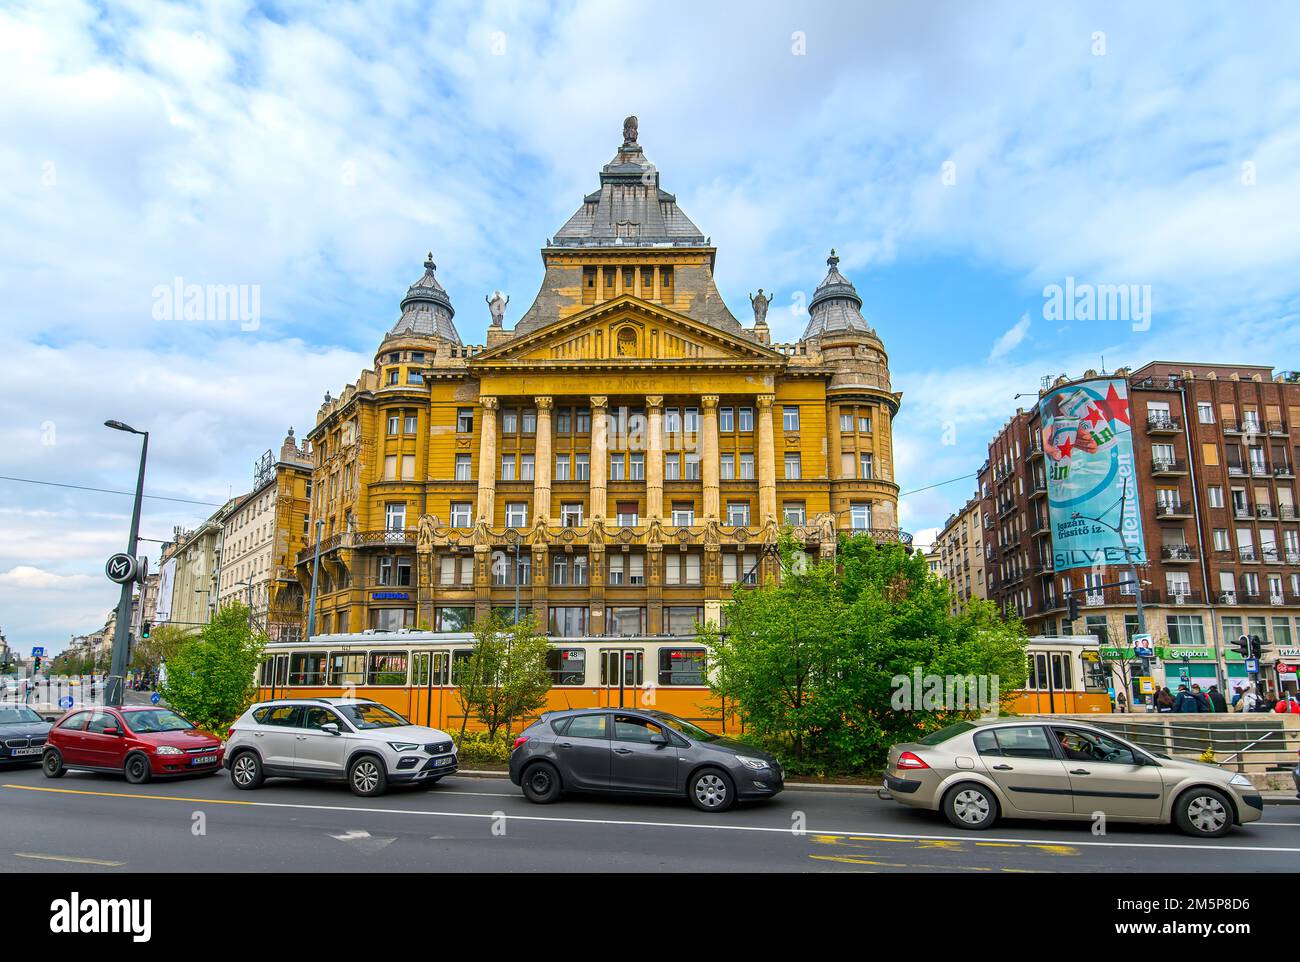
(24, 752)
(204, 760)
(440, 762)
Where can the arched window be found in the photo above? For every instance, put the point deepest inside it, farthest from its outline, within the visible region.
(627, 342)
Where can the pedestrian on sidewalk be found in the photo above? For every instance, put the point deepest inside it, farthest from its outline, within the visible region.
(1164, 700)
(1216, 699)
(1246, 699)
(1202, 700)
(1185, 701)
(1287, 704)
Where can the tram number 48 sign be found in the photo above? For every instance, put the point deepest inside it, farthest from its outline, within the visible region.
(120, 568)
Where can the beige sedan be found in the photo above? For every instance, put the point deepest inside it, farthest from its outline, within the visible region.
(975, 772)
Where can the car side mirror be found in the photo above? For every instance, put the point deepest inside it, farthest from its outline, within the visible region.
(112, 731)
(330, 728)
(659, 740)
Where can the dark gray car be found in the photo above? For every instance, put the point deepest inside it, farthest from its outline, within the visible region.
(639, 753)
(22, 735)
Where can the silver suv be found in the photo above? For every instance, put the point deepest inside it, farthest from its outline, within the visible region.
(341, 739)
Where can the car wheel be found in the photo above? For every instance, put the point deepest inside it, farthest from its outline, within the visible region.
(1203, 812)
(711, 790)
(971, 806)
(541, 783)
(367, 778)
(52, 764)
(137, 769)
(246, 771)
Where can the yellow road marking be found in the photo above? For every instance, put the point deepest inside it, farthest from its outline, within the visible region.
(856, 861)
(156, 798)
(69, 858)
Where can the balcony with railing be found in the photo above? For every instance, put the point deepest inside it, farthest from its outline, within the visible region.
(1231, 426)
(1037, 488)
(1181, 598)
(1163, 425)
(1168, 466)
(1177, 553)
(1173, 509)
(1237, 470)
(1283, 471)
(1278, 429)
(1242, 512)
(1288, 512)
(1266, 512)
(1259, 469)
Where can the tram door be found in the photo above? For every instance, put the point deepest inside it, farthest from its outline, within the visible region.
(428, 675)
(279, 676)
(622, 673)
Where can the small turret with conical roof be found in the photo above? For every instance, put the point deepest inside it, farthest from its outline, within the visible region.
(836, 307)
(426, 308)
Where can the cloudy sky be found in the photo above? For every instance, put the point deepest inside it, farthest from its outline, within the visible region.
(961, 158)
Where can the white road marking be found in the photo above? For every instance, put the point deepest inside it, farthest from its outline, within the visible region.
(637, 823)
(68, 858)
(367, 843)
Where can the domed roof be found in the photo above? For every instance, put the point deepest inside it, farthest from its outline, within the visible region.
(836, 307)
(426, 308)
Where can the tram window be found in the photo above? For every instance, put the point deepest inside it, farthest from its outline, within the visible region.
(986, 742)
(682, 666)
(1027, 742)
(347, 668)
(387, 668)
(629, 728)
(420, 669)
(1061, 672)
(268, 673)
(460, 659)
(307, 668)
(568, 666)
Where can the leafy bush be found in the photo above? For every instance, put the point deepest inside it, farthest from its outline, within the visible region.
(483, 748)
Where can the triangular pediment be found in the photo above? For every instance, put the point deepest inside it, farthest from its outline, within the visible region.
(628, 331)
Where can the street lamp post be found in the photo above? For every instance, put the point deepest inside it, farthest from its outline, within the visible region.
(114, 690)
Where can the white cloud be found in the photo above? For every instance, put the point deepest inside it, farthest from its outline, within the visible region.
(1010, 339)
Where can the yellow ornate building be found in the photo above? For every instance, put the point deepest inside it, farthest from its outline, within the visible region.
(618, 461)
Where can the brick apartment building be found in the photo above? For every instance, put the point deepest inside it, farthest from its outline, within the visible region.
(959, 551)
(1216, 448)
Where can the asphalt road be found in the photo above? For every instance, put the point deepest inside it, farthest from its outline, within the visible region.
(97, 823)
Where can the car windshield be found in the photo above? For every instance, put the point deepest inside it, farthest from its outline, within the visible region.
(943, 734)
(155, 720)
(372, 716)
(684, 727)
(18, 716)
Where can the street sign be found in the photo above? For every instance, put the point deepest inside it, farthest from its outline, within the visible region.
(1142, 646)
(1252, 665)
(1146, 685)
(120, 568)
(154, 698)
(38, 652)
(66, 702)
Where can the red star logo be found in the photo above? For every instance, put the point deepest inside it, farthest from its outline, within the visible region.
(1094, 416)
(1066, 447)
(1114, 406)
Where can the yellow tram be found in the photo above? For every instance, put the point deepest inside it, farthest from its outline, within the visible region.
(411, 672)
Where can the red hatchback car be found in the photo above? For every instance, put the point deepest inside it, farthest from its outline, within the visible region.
(141, 743)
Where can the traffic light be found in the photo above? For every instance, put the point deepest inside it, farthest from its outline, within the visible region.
(36, 664)
(1257, 647)
(1243, 646)
(144, 629)
(1071, 608)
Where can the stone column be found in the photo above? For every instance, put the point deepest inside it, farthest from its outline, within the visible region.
(654, 458)
(709, 456)
(599, 456)
(487, 461)
(542, 459)
(766, 458)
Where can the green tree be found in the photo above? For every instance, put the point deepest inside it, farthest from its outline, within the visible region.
(506, 676)
(211, 679)
(813, 664)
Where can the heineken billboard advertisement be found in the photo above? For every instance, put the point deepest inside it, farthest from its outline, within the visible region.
(1087, 437)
